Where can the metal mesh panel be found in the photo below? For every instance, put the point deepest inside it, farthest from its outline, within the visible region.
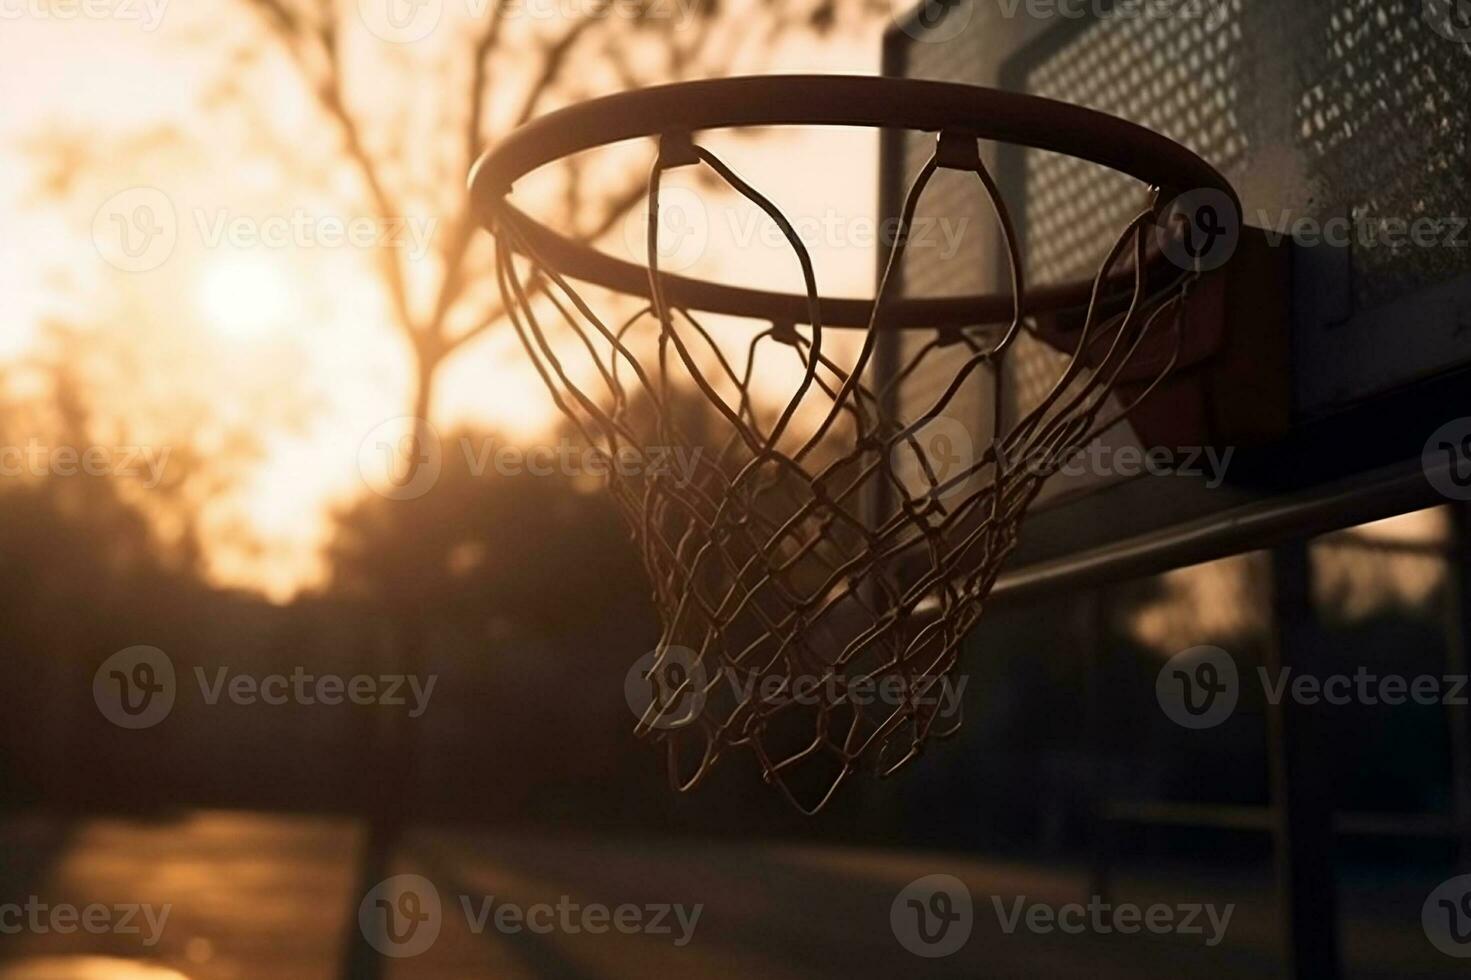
(1129, 67)
(1311, 107)
(1384, 114)
(1314, 109)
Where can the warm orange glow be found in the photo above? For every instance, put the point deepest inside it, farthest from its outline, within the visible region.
(246, 329)
(87, 968)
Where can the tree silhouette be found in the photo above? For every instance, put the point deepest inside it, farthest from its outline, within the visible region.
(507, 63)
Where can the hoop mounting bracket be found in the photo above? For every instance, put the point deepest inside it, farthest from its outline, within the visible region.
(958, 149)
(677, 149)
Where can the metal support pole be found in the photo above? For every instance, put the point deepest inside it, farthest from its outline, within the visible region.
(1093, 640)
(1302, 799)
(1265, 523)
(1458, 639)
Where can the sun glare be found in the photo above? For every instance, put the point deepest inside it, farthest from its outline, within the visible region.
(243, 298)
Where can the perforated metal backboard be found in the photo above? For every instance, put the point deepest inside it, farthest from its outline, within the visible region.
(1346, 127)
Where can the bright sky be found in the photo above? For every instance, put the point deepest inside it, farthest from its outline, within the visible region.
(265, 335)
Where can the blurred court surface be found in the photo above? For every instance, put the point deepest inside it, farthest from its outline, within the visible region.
(267, 896)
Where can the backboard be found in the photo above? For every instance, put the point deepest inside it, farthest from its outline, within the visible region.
(1345, 126)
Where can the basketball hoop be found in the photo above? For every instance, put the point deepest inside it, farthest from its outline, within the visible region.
(792, 573)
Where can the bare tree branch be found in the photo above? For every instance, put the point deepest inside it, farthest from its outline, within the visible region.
(555, 59)
(485, 47)
(309, 32)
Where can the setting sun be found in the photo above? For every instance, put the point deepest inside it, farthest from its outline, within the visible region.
(243, 298)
